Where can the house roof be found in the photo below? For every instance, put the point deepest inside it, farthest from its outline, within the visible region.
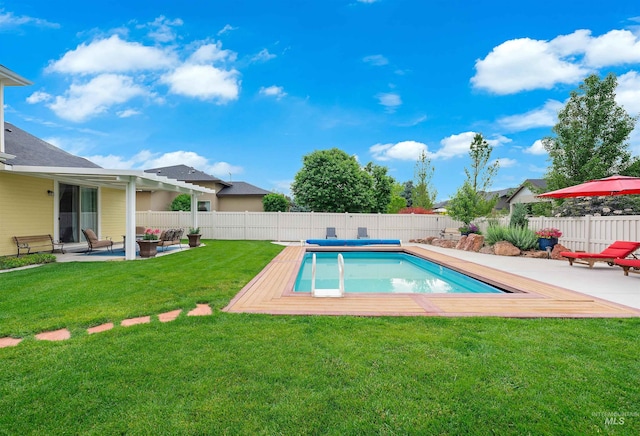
(186, 174)
(241, 188)
(538, 183)
(31, 151)
(9, 78)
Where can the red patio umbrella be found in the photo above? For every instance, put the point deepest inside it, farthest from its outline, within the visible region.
(614, 185)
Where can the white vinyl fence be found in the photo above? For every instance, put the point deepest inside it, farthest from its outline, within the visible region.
(588, 233)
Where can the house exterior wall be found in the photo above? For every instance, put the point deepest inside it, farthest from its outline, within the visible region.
(156, 200)
(240, 204)
(25, 209)
(113, 213)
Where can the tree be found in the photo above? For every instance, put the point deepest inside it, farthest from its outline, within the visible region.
(181, 202)
(275, 203)
(591, 135)
(332, 181)
(382, 187)
(470, 200)
(408, 192)
(397, 202)
(423, 194)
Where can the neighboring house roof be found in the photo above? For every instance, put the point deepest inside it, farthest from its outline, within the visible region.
(31, 151)
(537, 183)
(186, 174)
(241, 188)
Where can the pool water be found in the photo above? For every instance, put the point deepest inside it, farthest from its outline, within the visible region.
(386, 272)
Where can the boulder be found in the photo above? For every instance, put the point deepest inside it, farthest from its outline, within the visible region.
(487, 249)
(474, 242)
(504, 248)
(555, 253)
(461, 242)
(444, 243)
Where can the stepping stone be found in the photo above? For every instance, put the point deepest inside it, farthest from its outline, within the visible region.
(9, 342)
(100, 328)
(134, 321)
(201, 310)
(169, 316)
(56, 335)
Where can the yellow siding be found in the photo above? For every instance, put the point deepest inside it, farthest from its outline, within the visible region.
(240, 204)
(25, 209)
(113, 209)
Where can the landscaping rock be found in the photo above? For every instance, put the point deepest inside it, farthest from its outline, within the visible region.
(462, 242)
(487, 249)
(444, 243)
(504, 248)
(474, 242)
(557, 249)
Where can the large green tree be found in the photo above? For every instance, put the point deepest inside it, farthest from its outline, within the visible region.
(423, 194)
(382, 187)
(397, 200)
(591, 135)
(333, 181)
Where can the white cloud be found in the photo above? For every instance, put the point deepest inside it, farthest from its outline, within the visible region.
(227, 28)
(39, 97)
(212, 52)
(222, 170)
(128, 113)
(505, 162)
(162, 29)
(8, 19)
(390, 100)
(628, 92)
(273, 91)
(536, 148)
(112, 55)
(83, 101)
(544, 116)
(524, 64)
(377, 60)
(405, 150)
(204, 82)
(459, 145)
(263, 56)
(367, 1)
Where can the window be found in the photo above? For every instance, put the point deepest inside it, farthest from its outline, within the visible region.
(204, 206)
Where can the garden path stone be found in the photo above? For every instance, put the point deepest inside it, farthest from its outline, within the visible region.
(169, 316)
(55, 335)
(201, 310)
(9, 342)
(100, 328)
(134, 321)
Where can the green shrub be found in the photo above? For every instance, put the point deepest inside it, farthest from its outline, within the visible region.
(275, 203)
(495, 234)
(30, 259)
(519, 216)
(521, 237)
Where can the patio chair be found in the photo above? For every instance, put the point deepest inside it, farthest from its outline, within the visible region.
(331, 233)
(362, 233)
(617, 250)
(94, 243)
(629, 265)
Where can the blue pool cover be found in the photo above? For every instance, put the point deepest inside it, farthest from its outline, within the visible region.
(352, 242)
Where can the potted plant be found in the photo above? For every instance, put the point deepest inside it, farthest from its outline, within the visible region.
(548, 237)
(149, 243)
(194, 236)
(469, 228)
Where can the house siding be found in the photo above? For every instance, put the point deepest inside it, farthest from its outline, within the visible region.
(240, 204)
(113, 213)
(25, 209)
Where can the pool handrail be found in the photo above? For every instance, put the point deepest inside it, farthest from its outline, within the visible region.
(328, 292)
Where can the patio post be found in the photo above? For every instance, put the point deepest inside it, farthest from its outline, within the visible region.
(130, 232)
(194, 211)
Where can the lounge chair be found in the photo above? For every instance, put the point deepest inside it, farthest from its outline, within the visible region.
(362, 233)
(629, 265)
(617, 250)
(94, 243)
(170, 237)
(331, 233)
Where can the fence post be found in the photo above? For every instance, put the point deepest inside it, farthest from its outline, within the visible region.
(588, 235)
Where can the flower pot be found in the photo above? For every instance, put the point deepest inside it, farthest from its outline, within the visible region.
(148, 248)
(194, 240)
(543, 243)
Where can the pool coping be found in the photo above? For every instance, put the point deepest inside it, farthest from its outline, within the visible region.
(271, 292)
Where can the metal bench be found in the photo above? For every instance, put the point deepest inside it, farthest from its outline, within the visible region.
(35, 244)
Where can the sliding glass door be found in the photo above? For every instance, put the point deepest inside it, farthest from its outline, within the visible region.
(78, 209)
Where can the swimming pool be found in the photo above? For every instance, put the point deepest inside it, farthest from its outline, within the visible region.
(387, 273)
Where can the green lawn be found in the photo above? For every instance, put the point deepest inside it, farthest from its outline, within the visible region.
(261, 374)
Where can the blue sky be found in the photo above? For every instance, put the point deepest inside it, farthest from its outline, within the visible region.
(244, 89)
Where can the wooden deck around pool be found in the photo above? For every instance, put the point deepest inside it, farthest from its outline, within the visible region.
(271, 292)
